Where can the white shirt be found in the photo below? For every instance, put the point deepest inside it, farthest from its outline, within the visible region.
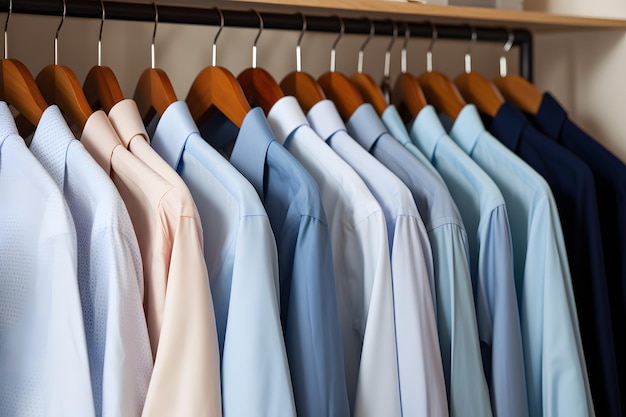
(43, 353)
(110, 276)
(422, 387)
(362, 264)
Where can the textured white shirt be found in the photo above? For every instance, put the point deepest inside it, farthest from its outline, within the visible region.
(362, 265)
(44, 366)
(110, 276)
(422, 387)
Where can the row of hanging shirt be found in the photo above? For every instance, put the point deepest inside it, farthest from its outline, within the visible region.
(268, 264)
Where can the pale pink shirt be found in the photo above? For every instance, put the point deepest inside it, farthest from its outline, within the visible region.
(177, 300)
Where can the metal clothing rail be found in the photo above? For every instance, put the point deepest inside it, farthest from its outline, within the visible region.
(271, 20)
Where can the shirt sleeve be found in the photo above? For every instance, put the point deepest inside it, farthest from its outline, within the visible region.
(457, 327)
(313, 336)
(185, 380)
(255, 373)
(500, 334)
(422, 384)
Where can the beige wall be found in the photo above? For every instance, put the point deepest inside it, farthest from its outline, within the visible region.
(583, 69)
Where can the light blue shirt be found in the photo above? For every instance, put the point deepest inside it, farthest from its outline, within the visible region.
(241, 259)
(458, 334)
(542, 274)
(422, 387)
(491, 258)
(308, 299)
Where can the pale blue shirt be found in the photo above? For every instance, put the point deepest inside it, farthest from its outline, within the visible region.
(110, 272)
(457, 328)
(43, 353)
(422, 387)
(491, 258)
(542, 273)
(308, 301)
(361, 262)
(241, 258)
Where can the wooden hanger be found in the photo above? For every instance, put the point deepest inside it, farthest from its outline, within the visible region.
(154, 92)
(408, 96)
(366, 85)
(476, 88)
(519, 91)
(260, 88)
(438, 89)
(338, 87)
(59, 85)
(216, 89)
(301, 85)
(101, 87)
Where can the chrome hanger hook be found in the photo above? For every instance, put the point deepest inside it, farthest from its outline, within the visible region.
(100, 34)
(156, 23)
(217, 35)
(468, 51)
(56, 36)
(298, 48)
(507, 47)
(362, 49)
(6, 30)
(429, 52)
(405, 44)
(387, 68)
(333, 50)
(258, 35)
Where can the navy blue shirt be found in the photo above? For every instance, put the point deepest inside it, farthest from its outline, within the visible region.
(574, 190)
(610, 179)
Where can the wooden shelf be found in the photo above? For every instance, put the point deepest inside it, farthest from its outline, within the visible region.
(535, 21)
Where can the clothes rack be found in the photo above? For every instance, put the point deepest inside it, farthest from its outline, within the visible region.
(272, 20)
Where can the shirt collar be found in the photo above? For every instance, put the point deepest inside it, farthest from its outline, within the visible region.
(365, 126)
(392, 120)
(100, 139)
(171, 133)
(427, 127)
(285, 117)
(126, 119)
(508, 125)
(250, 151)
(551, 116)
(325, 119)
(467, 128)
(7, 124)
(53, 131)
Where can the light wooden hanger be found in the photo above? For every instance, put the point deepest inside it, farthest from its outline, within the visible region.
(260, 88)
(154, 92)
(101, 87)
(59, 85)
(476, 88)
(216, 89)
(299, 84)
(338, 87)
(407, 96)
(365, 83)
(17, 86)
(438, 88)
(522, 93)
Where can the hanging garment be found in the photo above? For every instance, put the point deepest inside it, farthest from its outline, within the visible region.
(556, 373)
(185, 378)
(361, 262)
(609, 174)
(110, 277)
(241, 257)
(43, 352)
(422, 387)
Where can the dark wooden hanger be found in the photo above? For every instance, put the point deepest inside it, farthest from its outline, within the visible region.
(301, 85)
(154, 92)
(216, 89)
(101, 87)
